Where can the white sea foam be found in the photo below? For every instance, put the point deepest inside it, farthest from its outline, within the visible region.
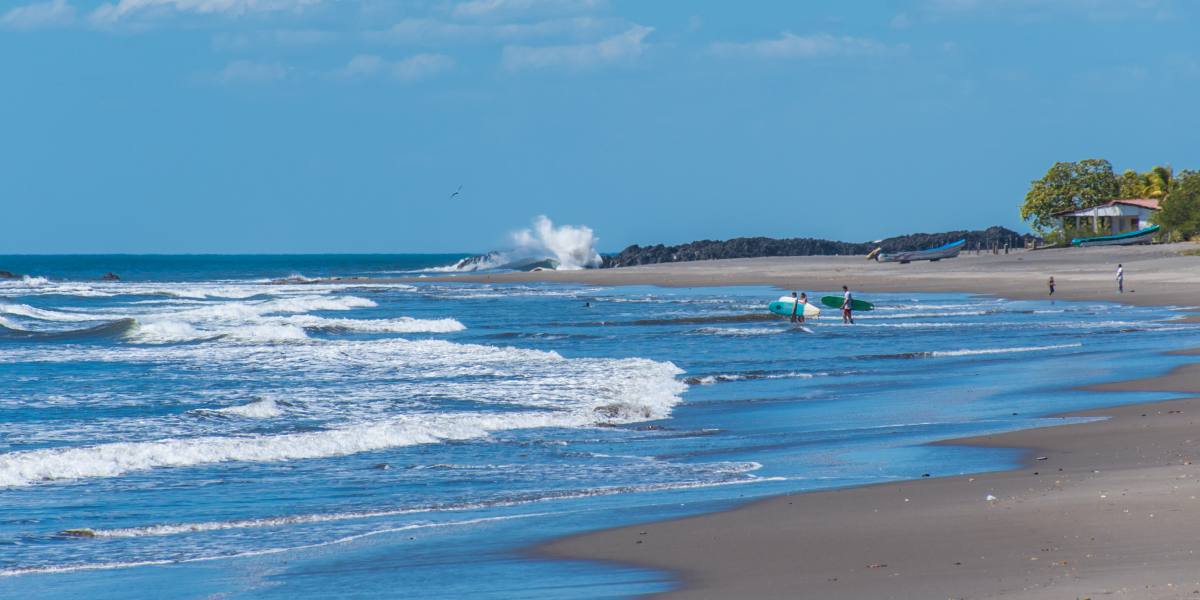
(740, 331)
(552, 392)
(728, 377)
(165, 332)
(736, 469)
(968, 352)
(263, 408)
(396, 325)
(24, 310)
(267, 332)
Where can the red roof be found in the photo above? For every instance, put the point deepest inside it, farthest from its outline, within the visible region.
(1149, 203)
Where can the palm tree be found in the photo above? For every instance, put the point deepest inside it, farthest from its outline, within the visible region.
(1158, 182)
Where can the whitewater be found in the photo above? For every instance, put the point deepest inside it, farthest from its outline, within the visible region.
(205, 421)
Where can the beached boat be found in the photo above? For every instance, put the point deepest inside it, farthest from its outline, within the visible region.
(1141, 236)
(933, 254)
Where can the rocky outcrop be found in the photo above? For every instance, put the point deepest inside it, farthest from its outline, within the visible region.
(761, 246)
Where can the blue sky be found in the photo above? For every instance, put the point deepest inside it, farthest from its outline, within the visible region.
(344, 126)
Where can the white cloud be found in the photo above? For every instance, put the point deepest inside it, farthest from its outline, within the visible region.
(422, 31)
(619, 48)
(1025, 10)
(409, 69)
(421, 66)
(113, 12)
(55, 13)
(474, 9)
(792, 46)
(246, 71)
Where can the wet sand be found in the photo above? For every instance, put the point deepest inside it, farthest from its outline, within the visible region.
(1107, 508)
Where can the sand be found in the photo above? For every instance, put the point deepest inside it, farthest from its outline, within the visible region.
(1107, 508)
(1154, 275)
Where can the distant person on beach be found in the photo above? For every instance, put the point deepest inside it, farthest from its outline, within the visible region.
(847, 302)
(1051, 282)
(1120, 279)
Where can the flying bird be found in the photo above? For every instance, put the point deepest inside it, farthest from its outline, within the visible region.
(456, 192)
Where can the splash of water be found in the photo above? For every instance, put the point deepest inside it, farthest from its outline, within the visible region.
(563, 247)
(571, 246)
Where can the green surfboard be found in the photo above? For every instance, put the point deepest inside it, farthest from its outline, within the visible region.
(855, 304)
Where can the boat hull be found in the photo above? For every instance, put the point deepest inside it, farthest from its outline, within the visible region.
(950, 250)
(1141, 236)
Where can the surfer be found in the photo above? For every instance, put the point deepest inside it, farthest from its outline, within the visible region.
(1120, 279)
(847, 302)
(1051, 283)
(797, 309)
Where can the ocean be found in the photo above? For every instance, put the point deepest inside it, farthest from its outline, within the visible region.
(200, 429)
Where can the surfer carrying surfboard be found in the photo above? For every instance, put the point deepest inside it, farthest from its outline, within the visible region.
(797, 309)
(847, 303)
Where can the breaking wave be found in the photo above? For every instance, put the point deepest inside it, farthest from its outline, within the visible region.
(565, 247)
(113, 329)
(603, 392)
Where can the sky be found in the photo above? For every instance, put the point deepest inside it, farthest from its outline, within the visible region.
(245, 126)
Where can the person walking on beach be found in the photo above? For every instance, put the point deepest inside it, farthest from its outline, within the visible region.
(847, 302)
(1120, 279)
(1051, 283)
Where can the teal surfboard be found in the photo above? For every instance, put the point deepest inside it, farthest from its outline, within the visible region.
(856, 304)
(785, 308)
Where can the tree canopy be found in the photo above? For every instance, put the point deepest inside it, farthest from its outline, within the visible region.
(1075, 185)
(1155, 183)
(1069, 186)
(1180, 210)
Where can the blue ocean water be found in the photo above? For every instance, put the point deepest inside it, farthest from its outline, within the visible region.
(194, 430)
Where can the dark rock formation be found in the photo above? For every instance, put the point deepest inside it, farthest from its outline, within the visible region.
(110, 276)
(761, 246)
(8, 275)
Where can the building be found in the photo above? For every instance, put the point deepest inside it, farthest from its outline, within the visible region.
(1111, 218)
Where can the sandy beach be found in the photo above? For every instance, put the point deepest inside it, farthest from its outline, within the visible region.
(1106, 508)
(1154, 275)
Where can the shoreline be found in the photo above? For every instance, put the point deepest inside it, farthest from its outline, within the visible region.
(1154, 275)
(1111, 521)
(1097, 508)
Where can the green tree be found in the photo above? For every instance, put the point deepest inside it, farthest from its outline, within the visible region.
(1158, 182)
(1180, 214)
(1069, 186)
(1132, 185)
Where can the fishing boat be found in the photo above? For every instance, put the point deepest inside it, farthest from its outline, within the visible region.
(1141, 236)
(932, 254)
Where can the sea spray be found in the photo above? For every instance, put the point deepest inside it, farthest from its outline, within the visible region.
(565, 247)
(573, 247)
